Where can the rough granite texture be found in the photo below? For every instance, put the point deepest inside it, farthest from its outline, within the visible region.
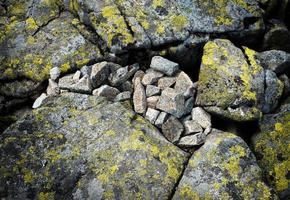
(82, 147)
(271, 147)
(223, 168)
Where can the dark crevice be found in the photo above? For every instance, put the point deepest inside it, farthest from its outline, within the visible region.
(185, 164)
(243, 129)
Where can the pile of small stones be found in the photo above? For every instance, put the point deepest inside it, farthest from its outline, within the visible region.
(163, 94)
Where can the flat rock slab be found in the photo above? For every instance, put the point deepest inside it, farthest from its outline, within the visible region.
(223, 168)
(83, 147)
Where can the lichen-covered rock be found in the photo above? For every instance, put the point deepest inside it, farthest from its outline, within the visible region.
(228, 85)
(20, 89)
(223, 168)
(57, 44)
(271, 147)
(159, 22)
(83, 147)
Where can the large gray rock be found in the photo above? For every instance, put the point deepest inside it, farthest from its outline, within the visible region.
(156, 23)
(223, 168)
(228, 85)
(83, 147)
(271, 147)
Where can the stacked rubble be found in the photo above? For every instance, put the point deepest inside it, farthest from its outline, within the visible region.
(163, 94)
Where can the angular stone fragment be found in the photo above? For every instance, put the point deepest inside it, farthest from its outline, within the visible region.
(273, 92)
(54, 73)
(139, 97)
(201, 117)
(152, 115)
(220, 168)
(163, 65)
(52, 88)
(275, 60)
(77, 76)
(192, 127)
(100, 72)
(123, 74)
(106, 91)
(37, 103)
(165, 82)
(183, 83)
(123, 96)
(151, 77)
(172, 102)
(82, 86)
(152, 101)
(152, 90)
(192, 140)
(172, 129)
(162, 117)
(85, 144)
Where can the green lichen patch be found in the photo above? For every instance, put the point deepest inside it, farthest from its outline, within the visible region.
(272, 150)
(76, 141)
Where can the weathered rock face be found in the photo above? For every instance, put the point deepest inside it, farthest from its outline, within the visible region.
(32, 55)
(38, 35)
(228, 85)
(83, 147)
(158, 22)
(271, 147)
(223, 168)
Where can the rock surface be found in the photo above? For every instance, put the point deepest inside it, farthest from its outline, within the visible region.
(83, 147)
(271, 147)
(223, 168)
(230, 86)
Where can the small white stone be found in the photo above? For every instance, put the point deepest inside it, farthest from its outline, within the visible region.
(123, 96)
(199, 115)
(52, 88)
(37, 103)
(54, 73)
(152, 115)
(183, 83)
(77, 76)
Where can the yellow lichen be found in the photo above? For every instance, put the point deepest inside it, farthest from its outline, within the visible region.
(158, 3)
(178, 22)
(46, 195)
(31, 24)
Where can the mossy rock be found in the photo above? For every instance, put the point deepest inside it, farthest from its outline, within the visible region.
(32, 50)
(83, 147)
(223, 168)
(141, 24)
(230, 81)
(271, 147)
